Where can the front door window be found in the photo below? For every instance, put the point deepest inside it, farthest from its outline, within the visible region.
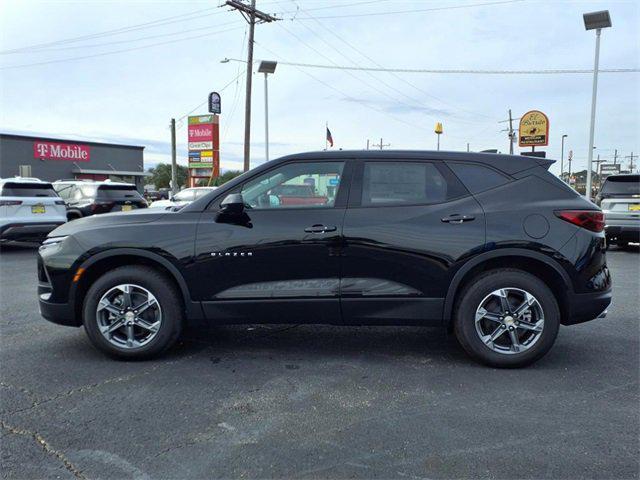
(295, 185)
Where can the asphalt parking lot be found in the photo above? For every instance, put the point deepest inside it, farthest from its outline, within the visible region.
(316, 402)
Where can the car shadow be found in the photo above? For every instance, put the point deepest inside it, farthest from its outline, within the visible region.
(323, 342)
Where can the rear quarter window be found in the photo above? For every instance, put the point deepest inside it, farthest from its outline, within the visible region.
(478, 178)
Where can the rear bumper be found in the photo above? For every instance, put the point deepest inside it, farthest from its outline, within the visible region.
(587, 306)
(27, 232)
(623, 233)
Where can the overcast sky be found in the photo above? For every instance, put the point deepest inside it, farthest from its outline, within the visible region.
(124, 86)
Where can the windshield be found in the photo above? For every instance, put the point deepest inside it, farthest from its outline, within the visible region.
(622, 185)
(28, 190)
(184, 195)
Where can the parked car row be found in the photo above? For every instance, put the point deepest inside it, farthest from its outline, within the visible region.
(30, 208)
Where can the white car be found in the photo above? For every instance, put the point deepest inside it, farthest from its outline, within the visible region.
(182, 198)
(29, 209)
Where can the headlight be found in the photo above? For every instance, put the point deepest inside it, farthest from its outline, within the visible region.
(52, 241)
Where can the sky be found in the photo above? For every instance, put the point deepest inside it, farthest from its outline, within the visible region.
(140, 63)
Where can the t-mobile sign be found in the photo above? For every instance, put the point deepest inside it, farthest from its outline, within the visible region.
(61, 151)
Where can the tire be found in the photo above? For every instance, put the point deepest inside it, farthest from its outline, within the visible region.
(149, 342)
(502, 352)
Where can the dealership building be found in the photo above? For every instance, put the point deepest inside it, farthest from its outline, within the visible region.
(52, 159)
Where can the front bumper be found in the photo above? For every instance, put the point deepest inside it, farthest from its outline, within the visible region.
(587, 306)
(27, 232)
(60, 313)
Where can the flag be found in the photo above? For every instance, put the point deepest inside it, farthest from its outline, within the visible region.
(329, 137)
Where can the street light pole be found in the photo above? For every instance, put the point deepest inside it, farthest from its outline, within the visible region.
(266, 67)
(266, 118)
(594, 21)
(593, 114)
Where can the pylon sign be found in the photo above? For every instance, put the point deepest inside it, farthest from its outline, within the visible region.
(204, 146)
(533, 130)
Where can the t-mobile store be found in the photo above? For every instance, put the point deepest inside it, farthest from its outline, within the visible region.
(53, 159)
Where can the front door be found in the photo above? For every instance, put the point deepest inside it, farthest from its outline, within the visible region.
(278, 262)
(407, 224)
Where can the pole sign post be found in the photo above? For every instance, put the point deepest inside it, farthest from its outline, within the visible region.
(214, 103)
(533, 130)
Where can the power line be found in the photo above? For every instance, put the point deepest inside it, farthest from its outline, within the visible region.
(348, 97)
(131, 40)
(200, 105)
(394, 74)
(462, 71)
(118, 31)
(102, 54)
(419, 10)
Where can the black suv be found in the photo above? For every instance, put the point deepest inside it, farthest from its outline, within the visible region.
(492, 247)
(84, 198)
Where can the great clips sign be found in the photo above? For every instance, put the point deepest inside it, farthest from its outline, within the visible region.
(61, 151)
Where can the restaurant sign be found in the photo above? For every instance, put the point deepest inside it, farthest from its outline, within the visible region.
(533, 130)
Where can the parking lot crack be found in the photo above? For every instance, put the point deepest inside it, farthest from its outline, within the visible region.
(46, 447)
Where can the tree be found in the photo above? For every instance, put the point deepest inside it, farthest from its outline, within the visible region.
(226, 176)
(161, 175)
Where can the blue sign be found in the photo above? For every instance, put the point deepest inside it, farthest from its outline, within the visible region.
(334, 181)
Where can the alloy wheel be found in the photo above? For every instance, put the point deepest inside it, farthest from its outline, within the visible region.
(509, 320)
(129, 316)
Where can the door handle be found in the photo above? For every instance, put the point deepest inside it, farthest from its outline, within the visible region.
(457, 218)
(320, 229)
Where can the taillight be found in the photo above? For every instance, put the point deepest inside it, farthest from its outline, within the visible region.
(9, 203)
(592, 220)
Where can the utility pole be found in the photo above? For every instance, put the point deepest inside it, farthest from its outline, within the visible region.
(367, 144)
(631, 157)
(381, 145)
(467, 146)
(562, 156)
(615, 156)
(511, 131)
(250, 14)
(174, 167)
(598, 162)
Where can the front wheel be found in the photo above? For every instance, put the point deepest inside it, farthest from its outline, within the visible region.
(133, 312)
(507, 318)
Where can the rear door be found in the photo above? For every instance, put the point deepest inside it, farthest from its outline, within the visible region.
(32, 203)
(407, 225)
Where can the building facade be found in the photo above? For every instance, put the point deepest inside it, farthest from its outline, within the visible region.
(53, 159)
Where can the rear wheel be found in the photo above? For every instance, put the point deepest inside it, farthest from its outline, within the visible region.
(507, 318)
(133, 312)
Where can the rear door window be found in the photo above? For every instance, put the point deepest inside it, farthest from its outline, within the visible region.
(478, 178)
(407, 183)
(28, 190)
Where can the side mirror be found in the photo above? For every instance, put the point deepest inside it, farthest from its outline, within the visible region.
(232, 204)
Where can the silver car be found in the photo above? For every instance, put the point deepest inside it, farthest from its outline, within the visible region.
(619, 199)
